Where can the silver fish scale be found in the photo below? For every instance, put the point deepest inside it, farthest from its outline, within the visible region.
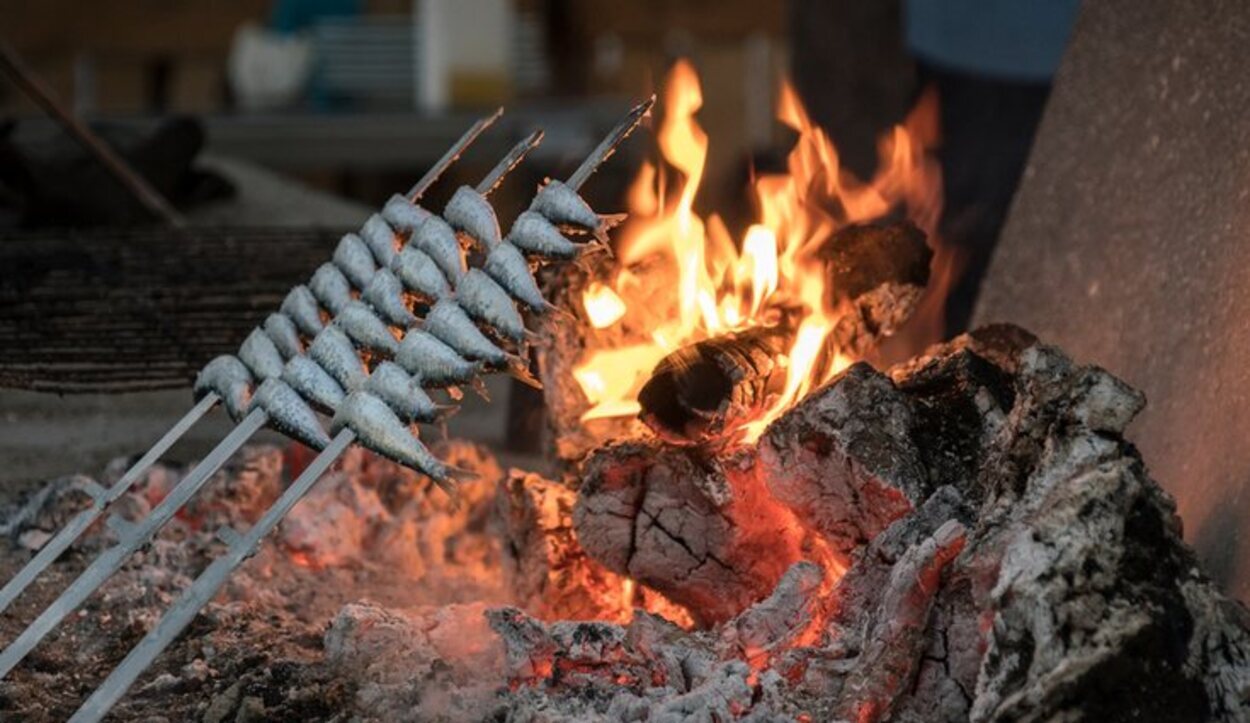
(228, 378)
(301, 306)
(433, 362)
(331, 288)
(260, 355)
(507, 265)
(313, 383)
(381, 239)
(449, 322)
(533, 233)
(469, 211)
(403, 215)
(438, 240)
(364, 328)
(419, 274)
(333, 351)
(355, 260)
(489, 303)
(402, 392)
(378, 427)
(385, 294)
(290, 414)
(562, 205)
(282, 332)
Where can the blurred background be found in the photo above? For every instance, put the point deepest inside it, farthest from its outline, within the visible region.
(273, 126)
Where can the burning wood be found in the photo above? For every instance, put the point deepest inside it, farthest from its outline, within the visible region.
(711, 388)
(702, 531)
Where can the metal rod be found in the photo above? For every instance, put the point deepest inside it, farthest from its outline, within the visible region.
(30, 84)
(607, 146)
(111, 560)
(80, 522)
(205, 588)
(452, 154)
(509, 162)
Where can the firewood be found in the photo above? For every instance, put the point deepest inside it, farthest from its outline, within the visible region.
(844, 460)
(703, 532)
(705, 390)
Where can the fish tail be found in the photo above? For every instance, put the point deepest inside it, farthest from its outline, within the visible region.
(519, 370)
(480, 387)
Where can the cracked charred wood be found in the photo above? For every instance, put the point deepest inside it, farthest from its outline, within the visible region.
(702, 532)
(543, 563)
(703, 391)
(877, 274)
(844, 460)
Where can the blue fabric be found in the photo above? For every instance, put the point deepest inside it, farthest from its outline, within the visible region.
(1005, 39)
(289, 16)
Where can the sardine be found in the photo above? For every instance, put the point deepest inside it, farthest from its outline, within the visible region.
(438, 241)
(508, 266)
(534, 234)
(313, 383)
(449, 322)
(489, 304)
(260, 355)
(301, 306)
(365, 329)
(562, 205)
(330, 287)
(402, 214)
(433, 362)
(420, 274)
(378, 428)
(402, 393)
(290, 415)
(230, 380)
(386, 295)
(469, 211)
(355, 260)
(381, 239)
(282, 332)
(334, 352)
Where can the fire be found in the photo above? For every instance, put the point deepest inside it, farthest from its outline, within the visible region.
(701, 282)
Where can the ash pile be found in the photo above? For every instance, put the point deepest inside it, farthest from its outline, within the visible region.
(966, 536)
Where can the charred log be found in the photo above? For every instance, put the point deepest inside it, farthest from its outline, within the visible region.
(702, 392)
(703, 532)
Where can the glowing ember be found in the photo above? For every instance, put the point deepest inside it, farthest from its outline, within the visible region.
(702, 283)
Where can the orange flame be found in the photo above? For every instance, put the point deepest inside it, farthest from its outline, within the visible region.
(715, 284)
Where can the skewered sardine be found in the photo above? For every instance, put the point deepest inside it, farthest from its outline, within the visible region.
(260, 355)
(331, 288)
(386, 295)
(313, 383)
(282, 332)
(229, 379)
(534, 234)
(378, 428)
(381, 239)
(469, 211)
(364, 328)
(419, 274)
(403, 215)
(433, 362)
(438, 240)
(507, 265)
(355, 260)
(403, 393)
(334, 352)
(289, 414)
(490, 305)
(301, 306)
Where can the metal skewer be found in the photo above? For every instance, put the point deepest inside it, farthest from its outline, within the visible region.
(76, 526)
(210, 581)
(137, 534)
